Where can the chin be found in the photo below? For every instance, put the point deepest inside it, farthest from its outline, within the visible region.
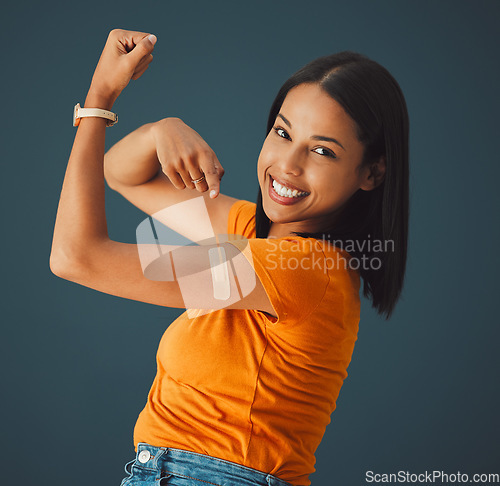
(276, 215)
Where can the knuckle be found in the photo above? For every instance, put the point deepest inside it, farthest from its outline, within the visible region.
(172, 119)
(206, 152)
(169, 172)
(178, 163)
(161, 125)
(172, 172)
(164, 124)
(178, 184)
(191, 159)
(211, 171)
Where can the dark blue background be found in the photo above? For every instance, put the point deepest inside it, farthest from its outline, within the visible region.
(422, 392)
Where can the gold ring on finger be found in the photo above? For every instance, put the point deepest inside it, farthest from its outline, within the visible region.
(202, 178)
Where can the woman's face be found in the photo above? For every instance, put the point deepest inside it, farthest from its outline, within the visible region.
(314, 155)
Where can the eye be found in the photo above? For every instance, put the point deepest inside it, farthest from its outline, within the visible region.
(281, 132)
(325, 152)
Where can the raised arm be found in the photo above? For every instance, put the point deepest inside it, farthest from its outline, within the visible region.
(81, 248)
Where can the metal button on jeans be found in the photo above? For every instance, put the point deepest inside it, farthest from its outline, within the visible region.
(144, 456)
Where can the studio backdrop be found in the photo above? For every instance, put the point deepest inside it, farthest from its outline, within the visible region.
(422, 391)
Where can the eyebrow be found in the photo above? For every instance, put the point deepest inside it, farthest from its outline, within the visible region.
(314, 137)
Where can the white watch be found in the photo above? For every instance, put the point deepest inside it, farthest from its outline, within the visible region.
(80, 112)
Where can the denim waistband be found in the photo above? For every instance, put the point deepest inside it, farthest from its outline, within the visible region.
(165, 461)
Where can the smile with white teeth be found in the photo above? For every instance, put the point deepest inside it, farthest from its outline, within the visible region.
(285, 192)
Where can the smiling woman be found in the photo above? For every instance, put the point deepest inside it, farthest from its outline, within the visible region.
(326, 175)
(360, 109)
(249, 375)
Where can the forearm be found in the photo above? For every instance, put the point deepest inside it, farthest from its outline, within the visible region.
(81, 219)
(132, 160)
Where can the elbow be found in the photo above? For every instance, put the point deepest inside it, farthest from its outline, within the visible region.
(57, 265)
(63, 266)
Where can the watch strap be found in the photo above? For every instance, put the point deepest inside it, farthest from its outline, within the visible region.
(80, 112)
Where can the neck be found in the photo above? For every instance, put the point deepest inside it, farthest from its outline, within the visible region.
(281, 230)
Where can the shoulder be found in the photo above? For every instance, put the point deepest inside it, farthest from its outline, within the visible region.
(241, 219)
(341, 267)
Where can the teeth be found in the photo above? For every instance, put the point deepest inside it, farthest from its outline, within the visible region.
(285, 192)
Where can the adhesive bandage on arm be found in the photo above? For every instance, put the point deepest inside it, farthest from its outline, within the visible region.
(220, 274)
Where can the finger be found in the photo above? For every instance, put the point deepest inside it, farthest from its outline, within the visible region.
(186, 177)
(196, 174)
(174, 177)
(213, 173)
(144, 62)
(129, 39)
(142, 66)
(138, 74)
(220, 169)
(144, 44)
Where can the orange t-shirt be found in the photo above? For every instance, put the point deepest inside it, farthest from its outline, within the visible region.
(246, 387)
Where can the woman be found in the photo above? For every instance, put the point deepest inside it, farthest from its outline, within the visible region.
(248, 378)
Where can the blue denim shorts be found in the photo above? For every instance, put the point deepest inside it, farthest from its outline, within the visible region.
(162, 466)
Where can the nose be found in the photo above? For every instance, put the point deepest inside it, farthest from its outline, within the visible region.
(291, 161)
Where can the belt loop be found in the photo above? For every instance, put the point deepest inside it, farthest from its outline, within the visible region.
(273, 481)
(162, 451)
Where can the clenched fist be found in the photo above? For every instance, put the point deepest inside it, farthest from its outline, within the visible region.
(125, 56)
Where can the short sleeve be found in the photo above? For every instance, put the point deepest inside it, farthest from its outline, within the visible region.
(241, 219)
(292, 272)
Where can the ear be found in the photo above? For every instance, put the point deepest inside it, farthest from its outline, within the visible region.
(374, 174)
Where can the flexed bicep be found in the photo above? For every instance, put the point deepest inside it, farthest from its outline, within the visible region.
(211, 273)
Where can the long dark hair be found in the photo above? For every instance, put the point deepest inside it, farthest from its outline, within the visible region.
(373, 99)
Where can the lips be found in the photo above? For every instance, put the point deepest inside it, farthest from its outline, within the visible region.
(286, 184)
(284, 200)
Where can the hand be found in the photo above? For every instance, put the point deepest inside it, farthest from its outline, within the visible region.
(184, 156)
(125, 56)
